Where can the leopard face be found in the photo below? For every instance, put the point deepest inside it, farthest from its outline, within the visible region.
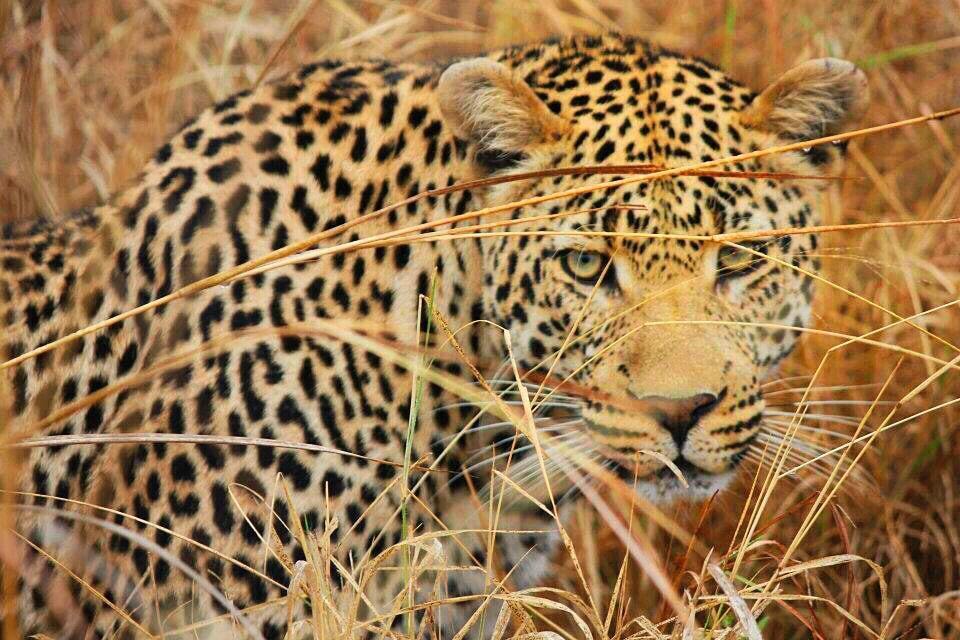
(665, 336)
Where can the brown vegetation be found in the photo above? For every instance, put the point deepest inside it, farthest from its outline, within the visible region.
(89, 88)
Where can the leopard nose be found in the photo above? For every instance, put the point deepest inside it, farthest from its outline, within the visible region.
(679, 415)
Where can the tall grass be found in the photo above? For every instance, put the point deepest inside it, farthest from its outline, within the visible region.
(863, 542)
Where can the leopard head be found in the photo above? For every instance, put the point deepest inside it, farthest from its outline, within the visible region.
(663, 338)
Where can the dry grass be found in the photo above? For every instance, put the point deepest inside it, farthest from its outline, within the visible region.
(89, 88)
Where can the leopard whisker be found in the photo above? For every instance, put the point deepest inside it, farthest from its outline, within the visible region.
(822, 417)
(841, 387)
(553, 467)
(770, 383)
(784, 427)
(525, 475)
(514, 451)
(529, 469)
(553, 398)
(512, 382)
(508, 389)
(593, 479)
(806, 451)
(538, 420)
(765, 459)
(835, 403)
(506, 440)
(772, 445)
(541, 391)
(514, 403)
(795, 444)
(511, 385)
(552, 450)
(823, 472)
(826, 463)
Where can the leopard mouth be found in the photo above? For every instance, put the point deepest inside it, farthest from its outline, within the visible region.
(689, 470)
(664, 485)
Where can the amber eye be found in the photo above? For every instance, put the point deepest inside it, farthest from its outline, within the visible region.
(585, 267)
(733, 262)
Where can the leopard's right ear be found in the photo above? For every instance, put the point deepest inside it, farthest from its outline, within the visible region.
(484, 102)
(817, 98)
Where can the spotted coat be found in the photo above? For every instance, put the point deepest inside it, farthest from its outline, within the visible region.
(687, 326)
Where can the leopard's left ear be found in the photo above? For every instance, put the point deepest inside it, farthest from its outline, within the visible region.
(818, 98)
(485, 103)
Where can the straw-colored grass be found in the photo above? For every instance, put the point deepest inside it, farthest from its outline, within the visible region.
(820, 548)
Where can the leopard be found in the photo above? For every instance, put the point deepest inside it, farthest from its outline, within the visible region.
(303, 421)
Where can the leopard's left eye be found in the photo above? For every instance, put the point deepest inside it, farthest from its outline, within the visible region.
(585, 267)
(733, 262)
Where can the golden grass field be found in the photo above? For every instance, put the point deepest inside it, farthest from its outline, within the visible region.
(89, 88)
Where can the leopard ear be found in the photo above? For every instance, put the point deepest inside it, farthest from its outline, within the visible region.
(817, 98)
(486, 104)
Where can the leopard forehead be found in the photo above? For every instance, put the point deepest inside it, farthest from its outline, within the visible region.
(625, 102)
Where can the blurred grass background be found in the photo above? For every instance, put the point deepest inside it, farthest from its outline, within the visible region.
(88, 89)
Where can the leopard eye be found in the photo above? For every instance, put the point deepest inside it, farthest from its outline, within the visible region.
(734, 262)
(585, 267)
